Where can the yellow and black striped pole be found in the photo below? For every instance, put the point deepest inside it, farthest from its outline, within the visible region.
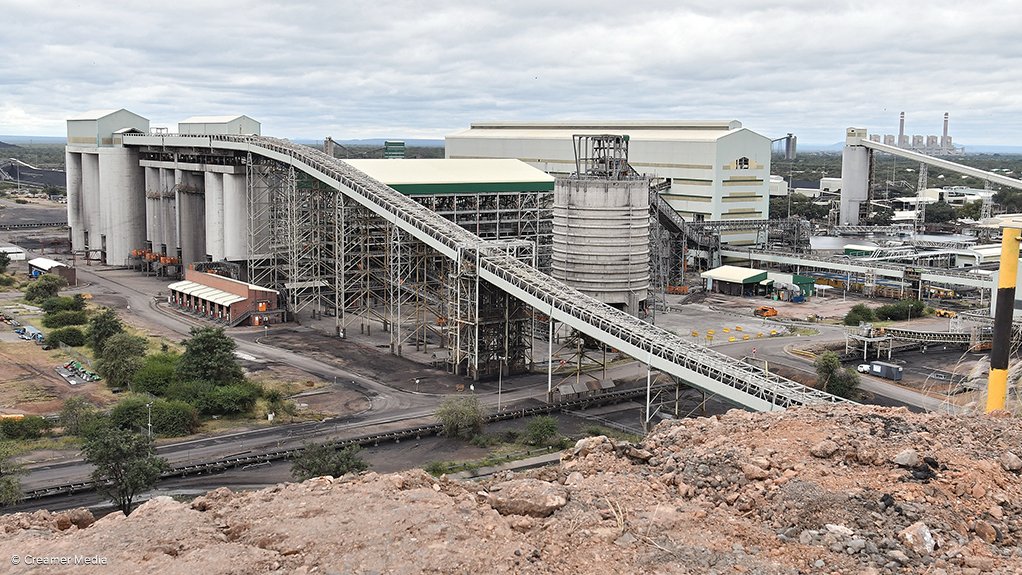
(997, 386)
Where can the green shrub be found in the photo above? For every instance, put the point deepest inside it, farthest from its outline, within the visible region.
(484, 440)
(65, 318)
(60, 303)
(437, 468)
(174, 418)
(860, 313)
(28, 427)
(540, 429)
(170, 418)
(461, 416)
(188, 391)
(45, 286)
(70, 335)
(6, 280)
(233, 399)
(20, 201)
(902, 310)
(319, 460)
(156, 373)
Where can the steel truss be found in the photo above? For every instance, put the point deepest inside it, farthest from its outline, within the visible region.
(492, 282)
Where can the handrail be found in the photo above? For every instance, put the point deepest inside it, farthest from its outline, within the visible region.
(459, 242)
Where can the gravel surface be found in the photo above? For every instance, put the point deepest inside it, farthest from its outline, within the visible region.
(841, 490)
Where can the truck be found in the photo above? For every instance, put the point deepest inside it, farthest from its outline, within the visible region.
(884, 369)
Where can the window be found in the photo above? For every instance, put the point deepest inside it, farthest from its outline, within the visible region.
(742, 163)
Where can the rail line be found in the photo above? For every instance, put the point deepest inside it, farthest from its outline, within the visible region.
(734, 381)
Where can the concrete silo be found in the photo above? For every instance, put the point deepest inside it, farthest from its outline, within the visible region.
(601, 225)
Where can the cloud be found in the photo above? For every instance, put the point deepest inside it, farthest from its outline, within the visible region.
(416, 69)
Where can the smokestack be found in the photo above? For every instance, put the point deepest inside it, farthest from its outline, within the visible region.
(945, 124)
(945, 141)
(901, 130)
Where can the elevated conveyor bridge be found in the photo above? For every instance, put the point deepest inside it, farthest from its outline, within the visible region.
(952, 277)
(732, 380)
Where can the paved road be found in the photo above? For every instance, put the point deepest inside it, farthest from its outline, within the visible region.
(391, 408)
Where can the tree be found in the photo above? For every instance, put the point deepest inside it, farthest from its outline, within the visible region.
(125, 464)
(10, 476)
(460, 416)
(209, 356)
(156, 373)
(971, 210)
(47, 286)
(101, 327)
(76, 415)
(121, 358)
(1010, 200)
(880, 216)
(28, 427)
(833, 378)
(319, 460)
(860, 313)
(540, 429)
(5, 260)
(939, 213)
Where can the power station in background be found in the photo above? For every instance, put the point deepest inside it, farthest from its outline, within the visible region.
(930, 145)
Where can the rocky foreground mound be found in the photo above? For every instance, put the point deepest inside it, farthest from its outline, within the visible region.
(811, 490)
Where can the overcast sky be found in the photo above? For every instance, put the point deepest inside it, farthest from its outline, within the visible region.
(401, 69)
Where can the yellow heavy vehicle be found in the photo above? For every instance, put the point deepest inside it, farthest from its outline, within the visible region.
(944, 313)
(764, 311)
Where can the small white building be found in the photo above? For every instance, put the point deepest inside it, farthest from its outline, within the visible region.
(14, 253)
(237, 125)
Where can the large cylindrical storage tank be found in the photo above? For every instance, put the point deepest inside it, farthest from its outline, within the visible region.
(75, 217)
(601, 239)
(215, 215)
(854, 176)
(90, 201)
(153, 189)
(235, 217)
(191, 208)
(168, 212)
(122, 206)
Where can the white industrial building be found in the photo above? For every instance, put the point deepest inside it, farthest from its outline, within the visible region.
(105, 185)
(120, 201)
(236, 125)
(718, 170)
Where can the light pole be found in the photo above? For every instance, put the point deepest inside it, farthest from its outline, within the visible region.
(500, 379)
(149, 408)
(416, 385)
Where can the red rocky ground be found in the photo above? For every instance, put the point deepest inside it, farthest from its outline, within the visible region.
(837, 490)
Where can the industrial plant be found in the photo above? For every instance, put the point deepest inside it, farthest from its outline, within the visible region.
(525, 233)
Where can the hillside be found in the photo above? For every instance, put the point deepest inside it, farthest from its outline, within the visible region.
(843, 490)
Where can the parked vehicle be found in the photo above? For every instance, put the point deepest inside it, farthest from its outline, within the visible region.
(944, 313)
(764, 311)
(862, 368)
(885, 370)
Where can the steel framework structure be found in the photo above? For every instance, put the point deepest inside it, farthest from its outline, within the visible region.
(488, 283)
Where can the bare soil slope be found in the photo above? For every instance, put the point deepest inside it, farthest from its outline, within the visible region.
(842, 490)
